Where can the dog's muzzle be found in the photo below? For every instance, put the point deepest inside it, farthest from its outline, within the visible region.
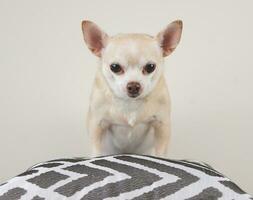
(133, 89)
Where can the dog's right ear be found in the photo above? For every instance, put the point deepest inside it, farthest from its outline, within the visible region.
(94, 37)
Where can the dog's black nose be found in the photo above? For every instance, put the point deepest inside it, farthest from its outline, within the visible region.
(133, 89)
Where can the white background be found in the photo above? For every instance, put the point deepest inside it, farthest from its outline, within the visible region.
(46, 74)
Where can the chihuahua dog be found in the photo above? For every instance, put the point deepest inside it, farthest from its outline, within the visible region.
(130, 105)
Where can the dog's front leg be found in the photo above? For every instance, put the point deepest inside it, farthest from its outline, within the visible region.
(96, 137)
(162, 137)
(97, 129)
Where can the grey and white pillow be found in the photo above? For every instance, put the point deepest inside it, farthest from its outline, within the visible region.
(121, 177)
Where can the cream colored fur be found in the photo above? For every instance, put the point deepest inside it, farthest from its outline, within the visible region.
(116, 122)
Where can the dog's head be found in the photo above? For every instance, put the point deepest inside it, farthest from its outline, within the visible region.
(132, 63)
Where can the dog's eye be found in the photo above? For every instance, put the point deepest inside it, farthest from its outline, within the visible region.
(149, 68)
(116, 68)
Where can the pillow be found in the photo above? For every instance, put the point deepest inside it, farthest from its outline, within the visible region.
(124, 176)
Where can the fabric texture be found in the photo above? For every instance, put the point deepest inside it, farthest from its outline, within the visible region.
(124, 176)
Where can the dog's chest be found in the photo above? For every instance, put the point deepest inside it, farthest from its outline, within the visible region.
(120, 138)
(127, 132)
(131, 119)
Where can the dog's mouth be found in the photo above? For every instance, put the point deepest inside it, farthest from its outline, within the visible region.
(133, 95)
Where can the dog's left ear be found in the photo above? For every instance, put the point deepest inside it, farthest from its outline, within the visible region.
(94, 37)
(169, 38)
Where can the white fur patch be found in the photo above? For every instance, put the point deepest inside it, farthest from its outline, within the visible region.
(132, 119)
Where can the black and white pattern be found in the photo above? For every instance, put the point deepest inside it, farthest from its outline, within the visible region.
(121, 177)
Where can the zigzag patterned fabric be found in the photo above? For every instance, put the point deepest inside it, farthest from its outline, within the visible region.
(121, 177)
